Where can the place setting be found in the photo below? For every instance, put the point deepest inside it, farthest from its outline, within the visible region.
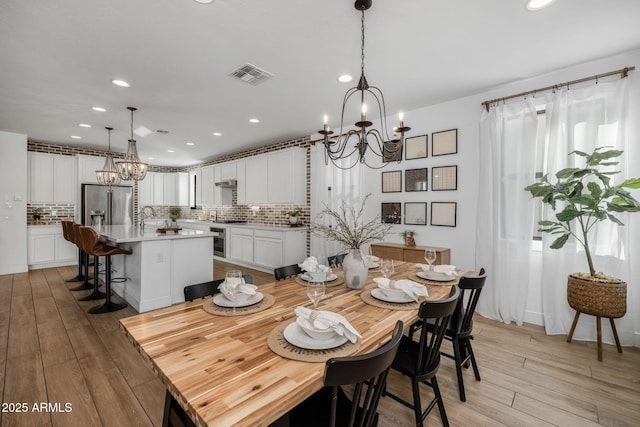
(403, 294)
(316, 272)
(237, 297)
(443, 275)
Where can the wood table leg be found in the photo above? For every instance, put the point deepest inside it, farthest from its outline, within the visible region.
(573, 326)
(599, 329)
(615, 334)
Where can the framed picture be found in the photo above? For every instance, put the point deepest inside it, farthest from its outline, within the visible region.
(415, 213)
(415, 147)
(415, 180)
(444, 213)
(392, 182)
(391, 213)
(444, 178)
(445, 142)
(391, 152)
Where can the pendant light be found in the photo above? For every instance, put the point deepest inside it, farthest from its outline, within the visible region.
(364, 140)
(131, 168)
(109, 174)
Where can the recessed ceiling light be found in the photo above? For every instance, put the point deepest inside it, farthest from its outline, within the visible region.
(345, 78)
(76, 137)
(538, 4)
(84, 125)
(190, 143)
(100, 109)
(217, 134)
(170, 151)
(151, 158)
(120, 83)
(254, 120)
(204, 1)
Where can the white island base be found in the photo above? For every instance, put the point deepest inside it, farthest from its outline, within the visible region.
(159, 266)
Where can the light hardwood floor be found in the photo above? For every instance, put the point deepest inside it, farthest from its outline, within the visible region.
(52, 351)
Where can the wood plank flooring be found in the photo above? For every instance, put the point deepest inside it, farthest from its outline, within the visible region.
(52, 351)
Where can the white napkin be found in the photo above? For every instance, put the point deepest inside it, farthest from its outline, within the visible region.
(311, 265)
(373, 258)
(409, 287)
(327, 319)
(239, 285)
(449, 270)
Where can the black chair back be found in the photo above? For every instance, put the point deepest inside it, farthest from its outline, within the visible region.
(368, 372)
(336, 260)
(201, 290)
(287, 271)
(470, 288)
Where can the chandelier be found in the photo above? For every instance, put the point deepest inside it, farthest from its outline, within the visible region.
(131, 168)
(109, 174)
(364, 140)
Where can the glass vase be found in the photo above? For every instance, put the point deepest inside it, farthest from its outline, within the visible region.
(355, 269)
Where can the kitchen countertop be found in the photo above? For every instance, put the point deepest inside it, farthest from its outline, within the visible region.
(127, 233)
(245, 225)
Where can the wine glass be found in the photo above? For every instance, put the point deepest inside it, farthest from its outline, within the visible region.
(315, 292)
(387, 268)
(430, 257)
(233, 279)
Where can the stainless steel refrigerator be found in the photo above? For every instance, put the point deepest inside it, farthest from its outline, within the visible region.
(104, 205)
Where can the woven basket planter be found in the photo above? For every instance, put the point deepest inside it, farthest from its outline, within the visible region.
(597, 297)
(409, 241)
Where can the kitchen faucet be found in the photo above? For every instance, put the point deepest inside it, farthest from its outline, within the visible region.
(144, 215)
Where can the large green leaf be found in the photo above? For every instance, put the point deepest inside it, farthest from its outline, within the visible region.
(631, 183)
(614, 219)
(595, 190)
(569, 213)
(566, 173)
(560, 241)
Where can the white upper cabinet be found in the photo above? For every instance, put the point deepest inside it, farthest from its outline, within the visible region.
(287, 176)
(87, 167)
(256, 180)
(228, 171)
(164, 189)
(52, 178)
(145, 191)
(241, 189)
(169, 189)
(208, 184)
(158, 187)
(182, 180)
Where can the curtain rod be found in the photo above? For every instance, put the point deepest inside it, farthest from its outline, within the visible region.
(623, 73)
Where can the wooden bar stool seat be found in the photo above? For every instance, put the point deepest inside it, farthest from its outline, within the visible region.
(74, 231)
(69, 236)
(91, 244)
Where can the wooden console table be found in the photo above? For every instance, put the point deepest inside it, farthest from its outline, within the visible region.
(409, 253)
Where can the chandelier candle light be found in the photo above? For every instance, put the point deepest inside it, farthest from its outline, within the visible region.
(381, 145)
(131, 168)
(109, 174)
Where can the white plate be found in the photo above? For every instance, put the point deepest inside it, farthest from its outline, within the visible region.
(379, 294)
(330, 277)
(435, 276)
(222, 301)
(295, 335)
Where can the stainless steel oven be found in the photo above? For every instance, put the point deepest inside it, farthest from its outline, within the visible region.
(219, 241)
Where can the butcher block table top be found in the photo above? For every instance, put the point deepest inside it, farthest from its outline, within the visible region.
(220, 368)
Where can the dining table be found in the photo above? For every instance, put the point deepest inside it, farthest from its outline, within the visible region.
(221, 369)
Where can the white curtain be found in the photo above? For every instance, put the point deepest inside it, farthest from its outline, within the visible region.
(329, 186)
(505, 211)
(583, 119)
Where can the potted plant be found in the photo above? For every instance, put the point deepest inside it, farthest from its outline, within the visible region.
(174, 214)
(582, 197)
(293, 215)
(347, 227)
(407, 235)
(37, 214)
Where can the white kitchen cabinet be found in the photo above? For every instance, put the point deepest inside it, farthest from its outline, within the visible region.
(169, 189)
(182, 181)
(228, 171)
(241, 189)
(198, 188)
(158, 187)
(145, 191)
(46, 247)
(267, 248)
(52, 178)
(241, 244)
(256, 186)
(286, 177)
(87, 167)
(208, 185)
(164, 189)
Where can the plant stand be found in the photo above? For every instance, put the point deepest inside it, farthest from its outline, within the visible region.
(600, 298)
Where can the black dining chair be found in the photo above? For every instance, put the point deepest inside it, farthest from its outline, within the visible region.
(336, 260)
(420, 360)
(287, 271)
(366, 373)
(460, 327)
(201, 290)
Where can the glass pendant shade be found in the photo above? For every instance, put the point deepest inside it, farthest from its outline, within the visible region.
(108, 175)
(131, 168)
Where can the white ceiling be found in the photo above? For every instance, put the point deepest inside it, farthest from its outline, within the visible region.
(58, 59)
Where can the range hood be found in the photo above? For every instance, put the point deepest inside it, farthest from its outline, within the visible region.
(229, 183)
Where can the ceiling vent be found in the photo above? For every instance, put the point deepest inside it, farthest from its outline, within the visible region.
(251, 74)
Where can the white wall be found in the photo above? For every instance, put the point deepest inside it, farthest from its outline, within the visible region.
(464, 114)
(13, 211)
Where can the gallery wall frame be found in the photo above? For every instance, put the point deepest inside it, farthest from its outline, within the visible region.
(444, 142)
(444, 214)
(444, 178)
(391, 152)
(391, 213)
(415, 180)
(415, 213)
(416, 147)
(392, 182)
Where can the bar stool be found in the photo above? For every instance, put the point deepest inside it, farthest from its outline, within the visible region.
(68, 234)
(92, 246)
(84, 258)
(92, 240)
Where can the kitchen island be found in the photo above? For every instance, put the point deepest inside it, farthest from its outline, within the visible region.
(160, 264)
